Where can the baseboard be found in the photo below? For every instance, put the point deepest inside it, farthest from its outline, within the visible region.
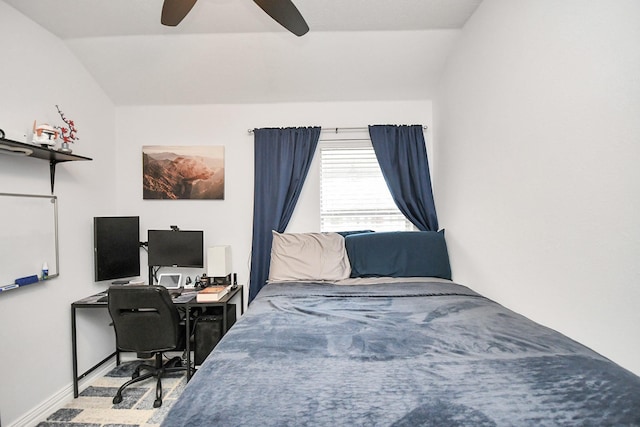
(59, 399)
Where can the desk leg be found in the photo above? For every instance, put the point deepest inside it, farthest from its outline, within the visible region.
(188, 340)
(74, 356)
(74, 345)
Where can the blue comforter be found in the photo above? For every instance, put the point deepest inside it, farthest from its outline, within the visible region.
(400, 354)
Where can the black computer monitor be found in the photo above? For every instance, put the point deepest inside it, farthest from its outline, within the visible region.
(116, 247)
(169, 248)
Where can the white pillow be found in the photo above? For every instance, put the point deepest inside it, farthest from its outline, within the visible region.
(308, 256)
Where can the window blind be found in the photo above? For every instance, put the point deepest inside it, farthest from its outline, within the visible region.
(353, 193)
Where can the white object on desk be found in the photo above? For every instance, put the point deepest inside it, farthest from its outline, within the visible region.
(219, 261)
(170, 280)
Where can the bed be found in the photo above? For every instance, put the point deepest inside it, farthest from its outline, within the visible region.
(397, 344)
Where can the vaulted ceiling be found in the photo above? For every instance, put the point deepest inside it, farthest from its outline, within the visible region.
(230, 51)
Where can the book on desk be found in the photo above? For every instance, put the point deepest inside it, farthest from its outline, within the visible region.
(212, 293)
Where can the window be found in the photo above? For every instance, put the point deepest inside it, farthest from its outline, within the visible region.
(353, 193)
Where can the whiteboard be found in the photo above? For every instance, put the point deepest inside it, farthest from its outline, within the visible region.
(29, 233)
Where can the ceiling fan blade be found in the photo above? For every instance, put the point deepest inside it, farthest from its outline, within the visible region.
(285, 13)
(174, 11)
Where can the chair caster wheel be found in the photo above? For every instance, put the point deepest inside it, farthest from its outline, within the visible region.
(157, 403)
(117, 399)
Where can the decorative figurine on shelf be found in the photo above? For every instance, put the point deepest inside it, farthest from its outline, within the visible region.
(68, 133)
(44, 134)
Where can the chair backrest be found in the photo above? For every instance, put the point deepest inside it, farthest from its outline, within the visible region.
(144, 318)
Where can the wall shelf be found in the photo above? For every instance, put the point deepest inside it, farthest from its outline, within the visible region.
(15, 148)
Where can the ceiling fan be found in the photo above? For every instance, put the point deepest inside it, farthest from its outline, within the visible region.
(284, 12)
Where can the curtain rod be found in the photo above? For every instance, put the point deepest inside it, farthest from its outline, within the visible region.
(343, 129)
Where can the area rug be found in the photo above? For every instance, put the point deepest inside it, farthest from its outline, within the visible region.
(94, 407)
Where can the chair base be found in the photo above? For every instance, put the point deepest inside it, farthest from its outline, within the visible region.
(157, 371)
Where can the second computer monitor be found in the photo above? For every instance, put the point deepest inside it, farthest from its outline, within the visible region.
(169, 248)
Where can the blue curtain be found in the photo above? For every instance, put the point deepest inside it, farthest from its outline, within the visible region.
(402, 155)
(281, 161)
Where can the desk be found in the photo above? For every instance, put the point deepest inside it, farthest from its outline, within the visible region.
(187, 301)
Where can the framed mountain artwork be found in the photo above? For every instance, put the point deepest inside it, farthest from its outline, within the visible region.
(183, 172)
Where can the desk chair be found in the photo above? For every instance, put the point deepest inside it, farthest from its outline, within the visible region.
(146, 321)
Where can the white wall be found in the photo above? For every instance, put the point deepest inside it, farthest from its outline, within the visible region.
(537, 181)
(229, 221)
(37, 73)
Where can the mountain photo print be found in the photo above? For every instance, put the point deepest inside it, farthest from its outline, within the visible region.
(183, 172)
